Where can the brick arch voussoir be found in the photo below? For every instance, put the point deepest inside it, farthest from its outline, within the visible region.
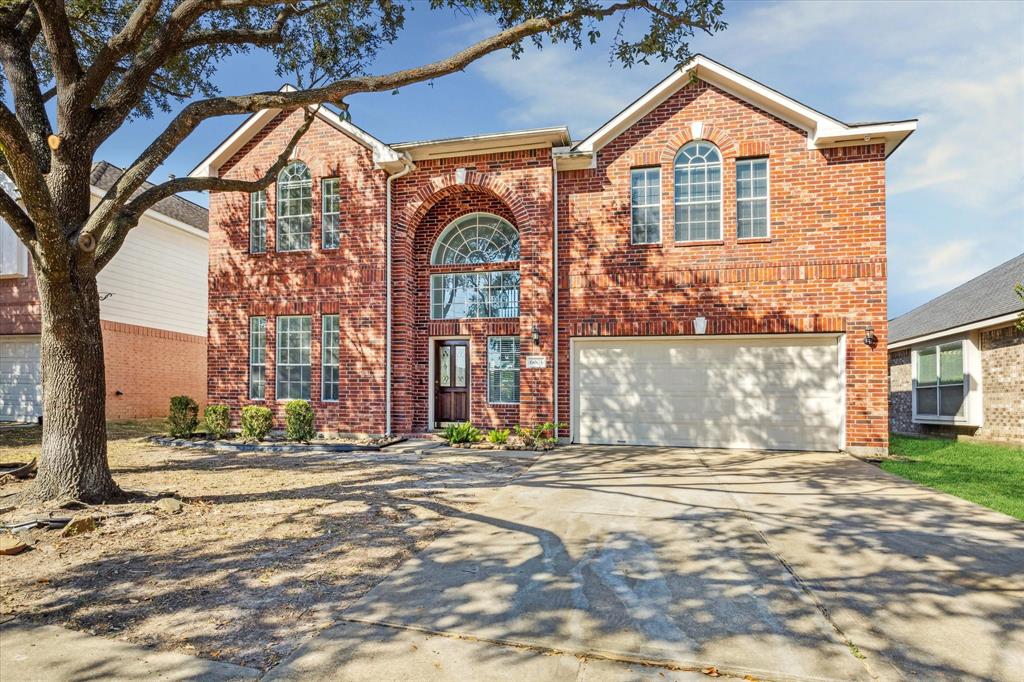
(721, 139)
(444, 186)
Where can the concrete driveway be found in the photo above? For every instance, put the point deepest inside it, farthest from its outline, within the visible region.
(620, 563)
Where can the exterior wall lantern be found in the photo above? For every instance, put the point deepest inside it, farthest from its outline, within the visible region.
(700, 324)
(870, 340)
(535, 335)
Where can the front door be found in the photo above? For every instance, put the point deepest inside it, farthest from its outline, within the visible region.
(451, 382)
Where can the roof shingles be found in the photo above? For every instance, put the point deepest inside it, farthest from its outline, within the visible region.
(105, 174)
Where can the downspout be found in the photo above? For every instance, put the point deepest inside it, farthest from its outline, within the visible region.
(554, 250)
(408, 167)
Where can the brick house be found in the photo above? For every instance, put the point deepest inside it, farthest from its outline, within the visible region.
(703, 269)
(956, 363)
(153, 314)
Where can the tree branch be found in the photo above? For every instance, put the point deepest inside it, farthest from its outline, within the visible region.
(61, 45)
(29, 104)
(126, 40)
(19, 221)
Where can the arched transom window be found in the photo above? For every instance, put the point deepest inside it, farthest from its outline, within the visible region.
(474, 240)
(294, 207)
(698, 192)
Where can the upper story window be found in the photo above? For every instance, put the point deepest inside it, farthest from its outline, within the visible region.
(13, 253)
(752, 198)
(940, 386)
(698, 192)
(331, 213)
(645, 202)
(475, 239)
(294, 207)
(258, 221)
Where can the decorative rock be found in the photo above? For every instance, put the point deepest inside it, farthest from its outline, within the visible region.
(79, 525)
(169, 505)
(10, 545)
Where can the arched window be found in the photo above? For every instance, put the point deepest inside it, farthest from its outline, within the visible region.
(294, 207)
(698, 192)
(474, 239)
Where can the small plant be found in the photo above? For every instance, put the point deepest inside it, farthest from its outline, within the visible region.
(498, 436)
(184, 416)
(539, 436)
(218, 420)
(461, 433)
(298, 421)
(256, 422)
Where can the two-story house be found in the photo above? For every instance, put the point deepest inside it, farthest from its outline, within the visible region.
(708, 268)
(152, 312)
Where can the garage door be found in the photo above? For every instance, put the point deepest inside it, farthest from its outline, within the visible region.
(778, 393)
(20, 395)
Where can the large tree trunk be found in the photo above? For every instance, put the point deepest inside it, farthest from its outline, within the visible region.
(73, 461)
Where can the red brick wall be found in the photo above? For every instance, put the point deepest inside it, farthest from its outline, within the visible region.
(148, 366)
(822, 269)
(19, 305)
(348, 281)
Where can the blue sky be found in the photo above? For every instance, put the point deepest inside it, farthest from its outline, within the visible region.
(956, 187)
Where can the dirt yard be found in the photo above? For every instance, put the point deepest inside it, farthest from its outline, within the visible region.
(269, 548)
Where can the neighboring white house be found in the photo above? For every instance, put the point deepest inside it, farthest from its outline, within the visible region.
(153, 310)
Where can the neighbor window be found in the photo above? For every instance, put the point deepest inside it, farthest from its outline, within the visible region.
(645, 202)
(258, 221)
(940, 387)
(503, 369)
(698, 193)
(294, 207)
(752, 198)
(257, 357)
(475, 239)
(292, 367)
(329, 358)
(331, 213)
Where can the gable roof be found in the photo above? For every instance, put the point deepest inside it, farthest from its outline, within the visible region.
(989, 295)
(104, 174)
(822, 130)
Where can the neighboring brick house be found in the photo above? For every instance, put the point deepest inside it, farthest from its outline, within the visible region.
(153, 313)
(704, 269)
(956, 363)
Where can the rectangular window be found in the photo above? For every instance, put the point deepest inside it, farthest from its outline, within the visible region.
(752, 198)
(293, 351)
(475, 294)
(258, 222)
(13, 253)
(329, 358)
(503, 369)
(940, 389)
(645, 202)
(331, 213)
(257, 357)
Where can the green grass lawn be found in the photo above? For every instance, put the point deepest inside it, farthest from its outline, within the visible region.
(991, 475)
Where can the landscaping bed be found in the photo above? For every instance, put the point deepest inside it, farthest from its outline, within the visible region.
(265, 549)
(232, 443)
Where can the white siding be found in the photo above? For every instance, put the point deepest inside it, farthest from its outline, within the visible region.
(21, 398)
(158, 279)
(13, 254)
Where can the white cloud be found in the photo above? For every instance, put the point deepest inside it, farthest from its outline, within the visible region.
(939, 268)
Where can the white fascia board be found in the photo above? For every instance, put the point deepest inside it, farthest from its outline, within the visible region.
(567, 159)
(383, 155)
(490, 143)
(955, 331)
(822, 130)
(160, 217)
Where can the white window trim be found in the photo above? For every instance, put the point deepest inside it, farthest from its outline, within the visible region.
(518, 369)
(323, 344)
(277, 210)
(721, 197)
(519, 302)
(973, 409)
(661, 217)
(767, 198)
(324, 214)
(263, 397)
(19, 259)
(252, 220)
(278, 364)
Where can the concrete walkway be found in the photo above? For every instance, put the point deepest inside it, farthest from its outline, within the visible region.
(777, 565)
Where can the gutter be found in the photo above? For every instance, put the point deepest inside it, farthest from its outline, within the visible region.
(554, 250)
(408, 168)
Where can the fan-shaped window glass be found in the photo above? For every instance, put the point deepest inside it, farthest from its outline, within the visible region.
(294, 207)
(476, 238)
(698, 192)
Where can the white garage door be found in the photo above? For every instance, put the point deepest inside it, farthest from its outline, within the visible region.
(783, 392)
(21, 398)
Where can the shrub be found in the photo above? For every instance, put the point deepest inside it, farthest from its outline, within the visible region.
(498, 436)
(461, 433)
(184, 416)
(540, 435)
(218, 420)
(298, 421)
(256, 422)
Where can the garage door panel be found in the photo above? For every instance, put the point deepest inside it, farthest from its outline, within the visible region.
(750, 393)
